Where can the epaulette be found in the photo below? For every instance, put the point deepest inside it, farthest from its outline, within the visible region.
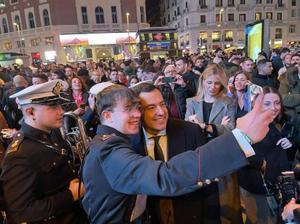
(106, 137)
(14, 146)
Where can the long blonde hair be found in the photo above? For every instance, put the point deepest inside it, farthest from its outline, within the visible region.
(212, 69)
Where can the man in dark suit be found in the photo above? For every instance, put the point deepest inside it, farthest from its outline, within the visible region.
(176, 136)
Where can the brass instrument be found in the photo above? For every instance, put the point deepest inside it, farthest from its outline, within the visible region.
(74, 132)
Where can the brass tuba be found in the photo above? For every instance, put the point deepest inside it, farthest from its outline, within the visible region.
(74, 132)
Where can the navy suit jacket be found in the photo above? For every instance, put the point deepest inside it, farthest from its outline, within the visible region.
(201, 206)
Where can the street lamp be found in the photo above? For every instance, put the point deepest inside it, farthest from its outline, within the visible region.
(19, 34)
(127, 20)
(220, 25)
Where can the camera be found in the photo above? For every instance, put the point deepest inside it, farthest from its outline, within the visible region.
(168, 79)
(289, 185)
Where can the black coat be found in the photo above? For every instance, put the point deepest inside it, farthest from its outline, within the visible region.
(35, 179)
(265, 80)
(250, 176)
(201, 206)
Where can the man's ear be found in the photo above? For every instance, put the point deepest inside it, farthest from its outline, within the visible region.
(29, 111)
(106, 115)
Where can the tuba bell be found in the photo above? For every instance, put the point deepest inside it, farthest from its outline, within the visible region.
(74, 132)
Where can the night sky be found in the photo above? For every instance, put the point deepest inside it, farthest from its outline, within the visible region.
(153, 12)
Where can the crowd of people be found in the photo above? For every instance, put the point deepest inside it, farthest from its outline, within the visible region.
(182, 103)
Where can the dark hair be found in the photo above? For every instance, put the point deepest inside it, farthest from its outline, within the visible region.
(60, 73)
(262, 62)
(110, 96)
(285, 50)
(184, 59)
(83, 72)
(292, 76)
(144, 88)
(41, 76)
(218, 49)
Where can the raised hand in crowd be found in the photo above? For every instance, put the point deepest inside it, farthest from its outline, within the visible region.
(255, 124)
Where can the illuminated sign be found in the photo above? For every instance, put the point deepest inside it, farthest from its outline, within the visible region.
(97, 39)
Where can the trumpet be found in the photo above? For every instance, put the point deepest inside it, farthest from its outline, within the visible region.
(74, 132)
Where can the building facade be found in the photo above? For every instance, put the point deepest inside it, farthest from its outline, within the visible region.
(209, 24)
(35, 27)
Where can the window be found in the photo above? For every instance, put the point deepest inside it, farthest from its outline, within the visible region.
(114, 14)
(4, 25)
(17, 23)
(99, 15)
(230, 17)
(142, 11)
(258, 1)
(279, 2)
(178, 10)
(187, 39)
(219, 3)
(46, 17)
(269, 1)
(269, 15)
(31, 20)
(278, 33)
(279, 16)
(35, 42)
(241, 35)
(202, 19)
(84, 15)
(293, 2)
(292, 28)
(7, 46)
(186, 21)
(186, 5)
(230, 3)
(49, 40)
(242, 17)
(218, 17)
(168, 18)
(202, 4)
(203, 37)
(21, 44)
(293, 13)
(228, 35)
(242, 2)
(257, 16)
(175, 13)
(13, 1)
(216, 36)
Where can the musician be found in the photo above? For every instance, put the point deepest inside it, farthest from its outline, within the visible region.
(39, 181)
(114, 175)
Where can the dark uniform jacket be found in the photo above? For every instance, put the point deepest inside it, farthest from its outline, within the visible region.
(265, 80)
(113, 173)
(36, 179)
(201, 206)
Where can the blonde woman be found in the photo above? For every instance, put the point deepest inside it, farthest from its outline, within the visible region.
(211, 108)
(215, 113)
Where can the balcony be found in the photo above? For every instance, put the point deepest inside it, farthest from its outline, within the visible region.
(242, 7)
(101, 27)
(203, 8)
(280, 6)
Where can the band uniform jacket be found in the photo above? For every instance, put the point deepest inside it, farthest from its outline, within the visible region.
(201, 206)
(113, 174)
(35, 180)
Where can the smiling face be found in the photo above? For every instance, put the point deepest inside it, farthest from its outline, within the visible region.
(240, 82)
(272, 102)
(125, 117)
(155, 112)
(76, 84)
